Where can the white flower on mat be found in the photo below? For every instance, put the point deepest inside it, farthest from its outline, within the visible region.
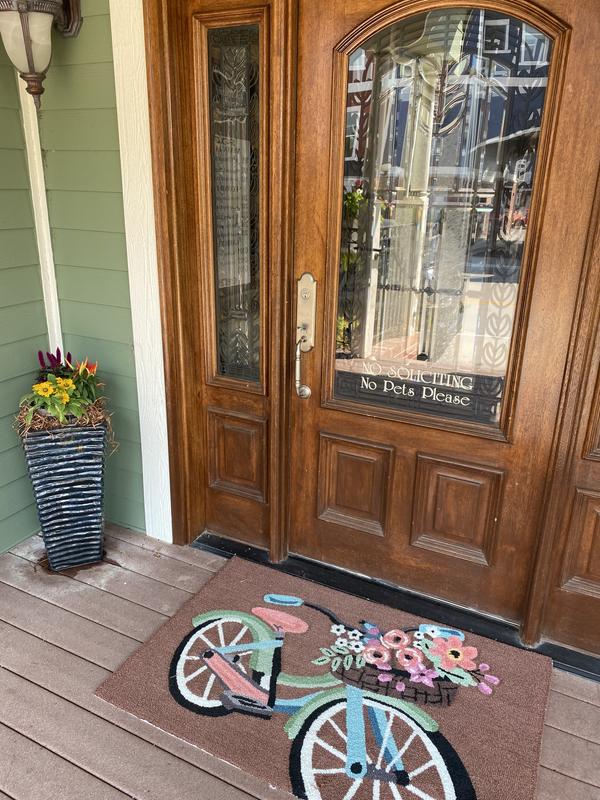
(341, 641)
(356, 647)
(338, 630)
(356, 635)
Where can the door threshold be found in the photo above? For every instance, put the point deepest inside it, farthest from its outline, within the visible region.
(565, 658)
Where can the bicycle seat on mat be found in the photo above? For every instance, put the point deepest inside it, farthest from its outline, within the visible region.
(280, 620)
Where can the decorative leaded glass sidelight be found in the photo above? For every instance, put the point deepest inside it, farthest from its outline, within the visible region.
(233, 58)
(443, 118)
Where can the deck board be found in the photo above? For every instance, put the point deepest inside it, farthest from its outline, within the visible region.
(554, 786)
(570, 755)
(574, 686)
(121, 582)
(26, 764)
(570, 715)
(135, 621)
(75, 680)
(112, 754)
(64, 629)
(159, 567)
(189, 555)
(61, 635)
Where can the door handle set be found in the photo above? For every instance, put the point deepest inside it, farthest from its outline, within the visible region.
(302, 390)
(306, 309)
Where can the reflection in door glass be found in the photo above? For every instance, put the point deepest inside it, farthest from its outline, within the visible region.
(234, 131)
(442, 130)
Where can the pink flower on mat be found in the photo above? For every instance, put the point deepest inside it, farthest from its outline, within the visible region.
(400, 686)
(420, 674)
(395, 639)
(408, 657)
(384, 677)
(375, 653)
(453, 653)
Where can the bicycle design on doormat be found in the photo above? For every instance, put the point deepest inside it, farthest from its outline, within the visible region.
(357, 730)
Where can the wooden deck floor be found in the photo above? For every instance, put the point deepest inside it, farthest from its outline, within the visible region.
(60, 636)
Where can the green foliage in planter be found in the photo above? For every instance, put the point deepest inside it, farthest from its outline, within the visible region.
(63, 389)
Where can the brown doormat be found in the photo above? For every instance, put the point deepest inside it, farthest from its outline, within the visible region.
(329, 696)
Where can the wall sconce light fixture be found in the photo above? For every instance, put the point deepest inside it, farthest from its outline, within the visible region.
(26, 28)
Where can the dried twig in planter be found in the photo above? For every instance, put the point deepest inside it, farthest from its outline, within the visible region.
(95, 415)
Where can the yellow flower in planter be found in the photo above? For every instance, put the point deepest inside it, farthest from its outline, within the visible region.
(65, 383)
(63, 397)
(44, 389)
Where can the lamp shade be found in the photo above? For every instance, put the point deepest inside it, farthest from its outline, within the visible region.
(40, 29)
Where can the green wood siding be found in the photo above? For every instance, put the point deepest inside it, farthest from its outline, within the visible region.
(22, 319)
(78, 128)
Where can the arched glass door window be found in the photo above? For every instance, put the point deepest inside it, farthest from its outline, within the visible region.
(443, 119)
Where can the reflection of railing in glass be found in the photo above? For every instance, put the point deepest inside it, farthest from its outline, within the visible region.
(437, 191)
(234, 117)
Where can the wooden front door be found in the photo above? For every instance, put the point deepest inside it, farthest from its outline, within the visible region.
(442, 209)
(377, 243)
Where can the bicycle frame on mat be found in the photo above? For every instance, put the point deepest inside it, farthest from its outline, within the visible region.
(356, 759)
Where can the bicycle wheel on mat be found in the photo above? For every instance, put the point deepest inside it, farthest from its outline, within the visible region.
(191, 682)
(432, 769)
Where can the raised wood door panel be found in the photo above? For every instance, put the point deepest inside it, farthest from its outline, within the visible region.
(461, 501)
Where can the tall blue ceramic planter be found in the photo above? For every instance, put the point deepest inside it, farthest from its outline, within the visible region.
(66, 467)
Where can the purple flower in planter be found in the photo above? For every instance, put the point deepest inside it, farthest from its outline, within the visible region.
(54, 360)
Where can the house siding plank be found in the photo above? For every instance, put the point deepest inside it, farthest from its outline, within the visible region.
(86, 211)
(79, 136)
(11, 136)
(17, 248)
(15, 209)
(78, 86)
(83, 171)
(7, 432)
(86, 129)
(13, 169)
(96, 249)
(81, 284)
(20, 285)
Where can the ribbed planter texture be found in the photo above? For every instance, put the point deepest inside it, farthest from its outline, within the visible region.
(66, 467)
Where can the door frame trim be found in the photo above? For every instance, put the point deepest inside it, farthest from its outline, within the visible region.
(180, 330)
(551, 534)
(127, 37)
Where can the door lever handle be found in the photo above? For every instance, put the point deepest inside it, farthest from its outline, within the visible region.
(302, 390)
